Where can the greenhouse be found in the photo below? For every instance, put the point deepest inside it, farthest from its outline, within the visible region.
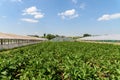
(11, 40)
(104, 38)
(60, 39)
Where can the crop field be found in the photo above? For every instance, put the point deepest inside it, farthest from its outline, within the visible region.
(61, 61)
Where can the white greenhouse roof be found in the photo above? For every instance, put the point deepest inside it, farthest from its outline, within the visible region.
(102, 37)
(14, 36)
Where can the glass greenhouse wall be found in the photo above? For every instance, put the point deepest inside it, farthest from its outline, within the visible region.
(8, 41)
(103, 38)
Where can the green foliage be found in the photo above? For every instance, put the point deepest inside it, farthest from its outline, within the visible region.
(61, 61)
(86, 35)
(34, 36)
(50, 36)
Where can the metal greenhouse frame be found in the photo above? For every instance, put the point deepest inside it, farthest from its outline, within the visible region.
(8, 41)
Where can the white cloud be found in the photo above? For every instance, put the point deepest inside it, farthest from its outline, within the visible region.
(68, 14)
(106, 17)
(34, 12)
(74, 1)
(29, 20)
(38, 15)
(82, 6)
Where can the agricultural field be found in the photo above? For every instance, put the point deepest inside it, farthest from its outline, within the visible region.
(61, 61)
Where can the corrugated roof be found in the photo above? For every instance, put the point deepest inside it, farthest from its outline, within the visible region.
(14, 36)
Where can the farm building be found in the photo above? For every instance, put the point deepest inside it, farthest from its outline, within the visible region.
(11, 40)
(104, 38)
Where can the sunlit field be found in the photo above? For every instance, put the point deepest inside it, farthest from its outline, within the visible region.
(61, 61)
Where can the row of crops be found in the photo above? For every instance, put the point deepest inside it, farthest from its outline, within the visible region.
(61, 61)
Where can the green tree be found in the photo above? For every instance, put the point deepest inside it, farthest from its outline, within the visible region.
(44, 35)
(34, 36)
(50, 36)
(86, 35)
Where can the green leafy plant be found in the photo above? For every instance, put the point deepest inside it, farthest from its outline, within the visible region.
(61, 61)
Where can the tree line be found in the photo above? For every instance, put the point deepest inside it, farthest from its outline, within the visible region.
(51, 36)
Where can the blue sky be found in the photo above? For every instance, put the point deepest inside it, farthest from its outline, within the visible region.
(62, 17)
